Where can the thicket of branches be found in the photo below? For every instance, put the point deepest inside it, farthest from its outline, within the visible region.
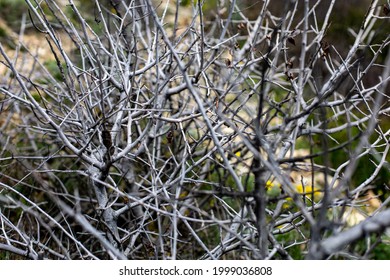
(171, 131)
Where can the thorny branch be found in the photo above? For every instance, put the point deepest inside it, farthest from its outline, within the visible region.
(156, 130)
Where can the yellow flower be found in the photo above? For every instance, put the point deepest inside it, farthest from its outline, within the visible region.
(269, 184)
(273, 190)
(309, 192)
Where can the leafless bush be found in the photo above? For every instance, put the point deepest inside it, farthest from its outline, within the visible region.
(161, 132)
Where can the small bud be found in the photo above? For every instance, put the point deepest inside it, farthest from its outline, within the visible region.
(289, 64)
(170, 137)
(241, 26)
(106, 137)
(291, 40)
(228, 62)
(216, 102)
(289, 75)
(325, 48)
(386, 9)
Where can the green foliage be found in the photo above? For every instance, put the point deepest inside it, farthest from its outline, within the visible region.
(185, 3)
(366, 164)
(52, 67)
(373, 248)
(382, 250)
(209, 5)
(291, 241)
(4, 255)
(11, 11)
(340, 21)
(3, 33)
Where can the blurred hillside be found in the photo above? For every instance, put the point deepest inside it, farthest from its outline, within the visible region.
(347, 15)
